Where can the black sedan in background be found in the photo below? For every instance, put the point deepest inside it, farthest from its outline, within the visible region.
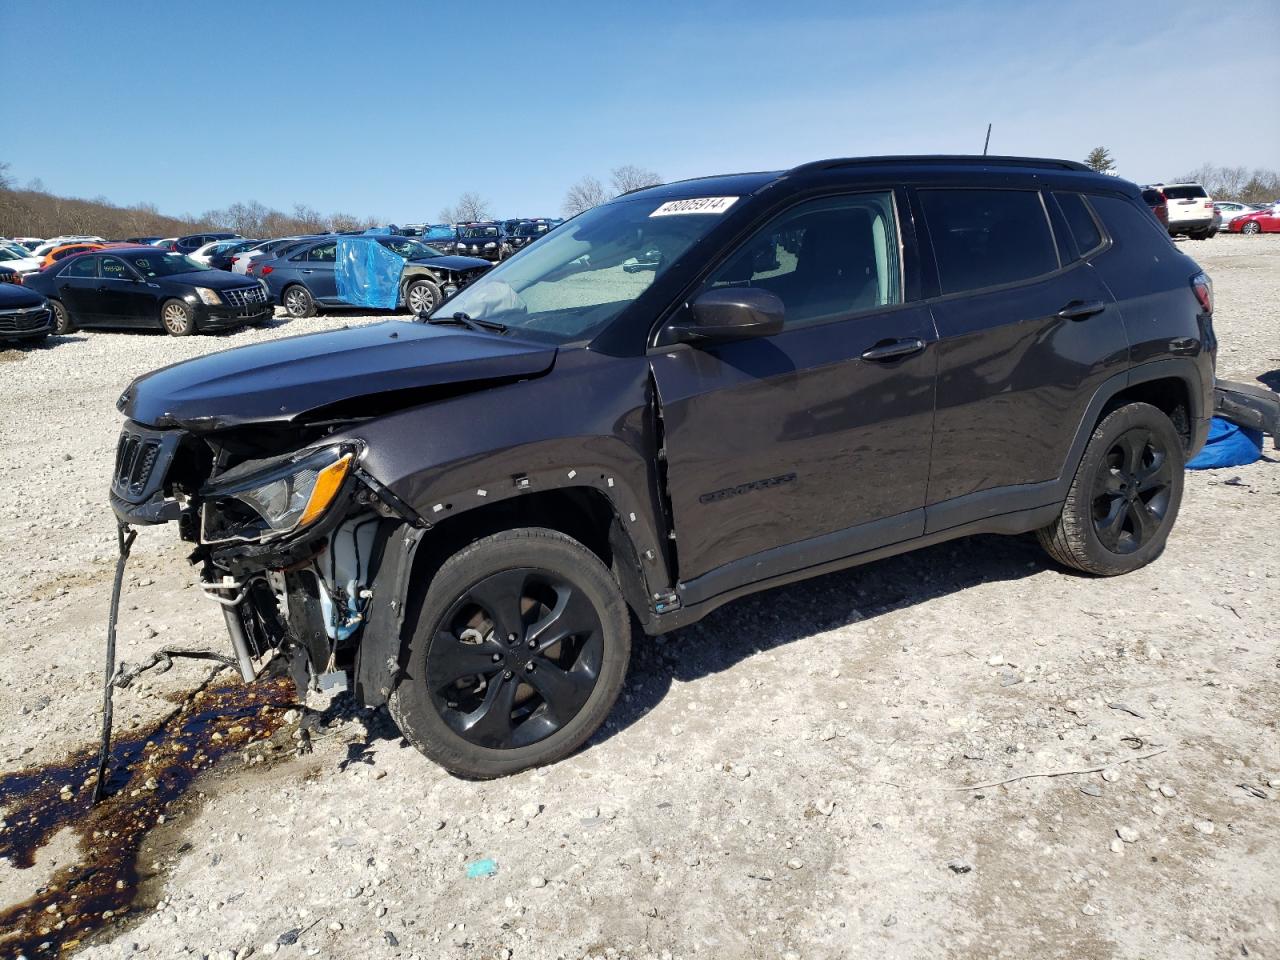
(139, 288)
(24, 314)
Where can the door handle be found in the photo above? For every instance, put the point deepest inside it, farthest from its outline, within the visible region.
(1081, 309)
(307, 270)
(893, 349)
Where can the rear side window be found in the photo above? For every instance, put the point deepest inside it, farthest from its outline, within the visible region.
(81, 267)
(1080, 221)
(1185, 193)
(1129, 224)
(985, 238)
(325, 253)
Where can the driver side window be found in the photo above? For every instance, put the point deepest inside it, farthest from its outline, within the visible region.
(825, 259)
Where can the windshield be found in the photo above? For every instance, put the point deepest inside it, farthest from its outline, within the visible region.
(478, 233)
(162, 264)
(9, 253)
(570, 286)
(531, 229)
(409, 249)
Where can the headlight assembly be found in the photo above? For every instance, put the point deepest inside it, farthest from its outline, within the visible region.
(208, 297)
(278, 499)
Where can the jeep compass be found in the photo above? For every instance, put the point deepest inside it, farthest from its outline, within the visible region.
(687, 394)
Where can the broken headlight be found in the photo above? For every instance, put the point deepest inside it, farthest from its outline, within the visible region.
(261, 501)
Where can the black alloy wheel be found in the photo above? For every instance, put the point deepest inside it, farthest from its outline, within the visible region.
(1131, 491)
(519, 651)
(515, 658)
(1124, 498)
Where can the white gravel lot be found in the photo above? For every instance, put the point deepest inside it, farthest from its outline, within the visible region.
(780, 780)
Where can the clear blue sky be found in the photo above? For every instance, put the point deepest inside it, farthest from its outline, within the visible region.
(394, 107)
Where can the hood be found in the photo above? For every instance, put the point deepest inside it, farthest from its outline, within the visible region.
(213, 279)
(281, 381)
(15, 297)
(456, 264)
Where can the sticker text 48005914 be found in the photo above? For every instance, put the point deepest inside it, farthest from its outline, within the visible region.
(673, 208)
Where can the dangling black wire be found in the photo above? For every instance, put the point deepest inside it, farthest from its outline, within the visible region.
(124, 540)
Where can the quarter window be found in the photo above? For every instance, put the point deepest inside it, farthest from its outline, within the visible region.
(81, 267)
(1080, 221)
(824, 259)
(985, 238)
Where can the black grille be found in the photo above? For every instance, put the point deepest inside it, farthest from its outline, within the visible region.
(135, 459)
(23, 321)
(245, 296)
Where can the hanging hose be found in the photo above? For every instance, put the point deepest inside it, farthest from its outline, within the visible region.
(124, 540)
(125, 675)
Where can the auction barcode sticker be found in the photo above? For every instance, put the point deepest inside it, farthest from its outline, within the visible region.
(673, 208)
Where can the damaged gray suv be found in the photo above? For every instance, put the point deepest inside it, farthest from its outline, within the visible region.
(463, 515)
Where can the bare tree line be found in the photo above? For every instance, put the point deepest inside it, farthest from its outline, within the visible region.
(1236, 183)
(590, 192)
(33, 211)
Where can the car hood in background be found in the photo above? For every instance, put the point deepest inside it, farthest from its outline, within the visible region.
(282, 381)
(449, 262)
(15, 297)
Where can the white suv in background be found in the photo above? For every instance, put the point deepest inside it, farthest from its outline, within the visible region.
(1190, 210)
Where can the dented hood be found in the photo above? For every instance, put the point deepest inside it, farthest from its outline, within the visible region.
(283, 380)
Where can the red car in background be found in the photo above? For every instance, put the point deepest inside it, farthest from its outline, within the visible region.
(1159, 204)
(1266, 220)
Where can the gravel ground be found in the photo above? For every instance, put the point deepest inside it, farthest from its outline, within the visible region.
(785, 779)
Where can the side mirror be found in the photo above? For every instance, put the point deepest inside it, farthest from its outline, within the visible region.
(729, 313)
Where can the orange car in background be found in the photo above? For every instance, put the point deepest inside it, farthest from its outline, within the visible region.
(71, 249)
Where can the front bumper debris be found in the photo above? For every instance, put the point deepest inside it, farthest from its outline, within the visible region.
(1246, 405)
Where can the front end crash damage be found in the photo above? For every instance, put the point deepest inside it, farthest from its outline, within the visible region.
(294, 548)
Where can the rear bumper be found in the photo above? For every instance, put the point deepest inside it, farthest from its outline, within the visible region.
(1249, 406)
(1177, 227)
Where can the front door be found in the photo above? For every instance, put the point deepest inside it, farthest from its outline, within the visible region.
(813, 444)
(124, 300)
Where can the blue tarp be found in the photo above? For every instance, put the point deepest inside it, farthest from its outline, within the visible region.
(367, 273)
(1228, 445)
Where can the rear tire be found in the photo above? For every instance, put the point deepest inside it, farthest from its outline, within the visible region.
(177, 318)
(1125, 495)
(297, 302)
(484, 705)
(62, 322)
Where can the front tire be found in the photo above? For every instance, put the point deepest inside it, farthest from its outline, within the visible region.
(421, 297)
(177, 318)
(519, 653)
(62, 322)
(1251, 228)
(298, 302)
(1125, 495)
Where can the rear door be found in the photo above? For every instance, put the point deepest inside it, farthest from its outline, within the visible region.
(317, 269)
(1026, 335)
(77, 287)
(813, 444)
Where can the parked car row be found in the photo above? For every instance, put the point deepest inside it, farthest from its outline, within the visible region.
(1186, 209)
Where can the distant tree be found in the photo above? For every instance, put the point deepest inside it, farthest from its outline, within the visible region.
(583, 195)
(629, 177)
(1236, 183)
(470, 206)
(1100, 160)
(345, 221)
(6, 181)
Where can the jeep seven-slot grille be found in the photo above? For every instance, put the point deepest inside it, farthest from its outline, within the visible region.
(135, 459)
(245, 296)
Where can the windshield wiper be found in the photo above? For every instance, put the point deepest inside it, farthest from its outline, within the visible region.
(471, 323)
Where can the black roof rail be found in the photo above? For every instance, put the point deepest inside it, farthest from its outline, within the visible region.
(941, 160)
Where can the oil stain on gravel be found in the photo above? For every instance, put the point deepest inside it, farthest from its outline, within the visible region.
(149, 771)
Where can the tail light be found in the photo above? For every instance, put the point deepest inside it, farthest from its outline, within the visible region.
(266, 270)
(1202, 286)
(234, 259)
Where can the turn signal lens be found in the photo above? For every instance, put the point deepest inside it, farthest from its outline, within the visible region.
(328, 482)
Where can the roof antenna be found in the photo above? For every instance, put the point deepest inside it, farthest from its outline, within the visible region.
(986, 142)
